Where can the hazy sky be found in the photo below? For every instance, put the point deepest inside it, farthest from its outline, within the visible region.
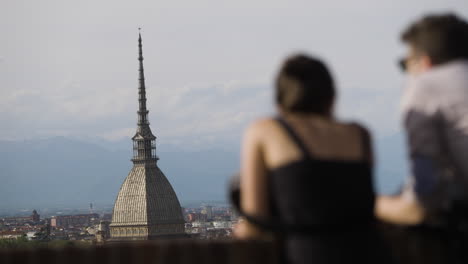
(70, 67)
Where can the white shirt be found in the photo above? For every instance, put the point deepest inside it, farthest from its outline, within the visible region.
(435, 116)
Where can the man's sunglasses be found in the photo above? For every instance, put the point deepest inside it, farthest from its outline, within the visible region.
(402, 64)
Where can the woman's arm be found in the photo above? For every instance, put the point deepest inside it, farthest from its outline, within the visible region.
(253, 183)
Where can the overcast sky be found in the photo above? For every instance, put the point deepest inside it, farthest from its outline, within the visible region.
(69, 68)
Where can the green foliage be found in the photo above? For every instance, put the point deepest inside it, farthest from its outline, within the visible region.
(23, 242)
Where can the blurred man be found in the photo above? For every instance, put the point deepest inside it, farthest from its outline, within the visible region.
(435, 117)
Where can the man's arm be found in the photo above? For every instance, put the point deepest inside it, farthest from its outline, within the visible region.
(399, 210)
(406, 209)
(422, 124)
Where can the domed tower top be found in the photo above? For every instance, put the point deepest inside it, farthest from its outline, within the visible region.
(35, 217)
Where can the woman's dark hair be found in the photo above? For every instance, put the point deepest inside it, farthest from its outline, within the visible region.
(442, 37)
(305, 85)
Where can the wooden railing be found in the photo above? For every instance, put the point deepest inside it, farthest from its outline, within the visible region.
(154, 252)
(405, 245)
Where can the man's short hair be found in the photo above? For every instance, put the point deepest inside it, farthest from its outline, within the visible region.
(442, 37)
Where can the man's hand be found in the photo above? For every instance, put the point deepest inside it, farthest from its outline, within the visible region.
(399, 210)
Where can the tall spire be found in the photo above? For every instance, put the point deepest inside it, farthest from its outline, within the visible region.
(142, 111)
(144, 147)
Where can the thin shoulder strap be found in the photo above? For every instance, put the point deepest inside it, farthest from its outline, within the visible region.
(292, 134)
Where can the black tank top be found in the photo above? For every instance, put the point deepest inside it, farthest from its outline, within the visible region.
(322, 210)
(314, 195)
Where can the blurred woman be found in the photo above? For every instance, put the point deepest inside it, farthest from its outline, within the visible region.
(308, 174)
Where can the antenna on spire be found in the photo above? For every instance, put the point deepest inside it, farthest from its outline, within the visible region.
(144, 147)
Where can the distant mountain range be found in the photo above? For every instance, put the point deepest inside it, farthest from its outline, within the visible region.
(62, 171)
(69, 172)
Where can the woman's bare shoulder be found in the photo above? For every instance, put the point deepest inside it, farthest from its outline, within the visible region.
(259, 130)
(261, 125)
(356, 126)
